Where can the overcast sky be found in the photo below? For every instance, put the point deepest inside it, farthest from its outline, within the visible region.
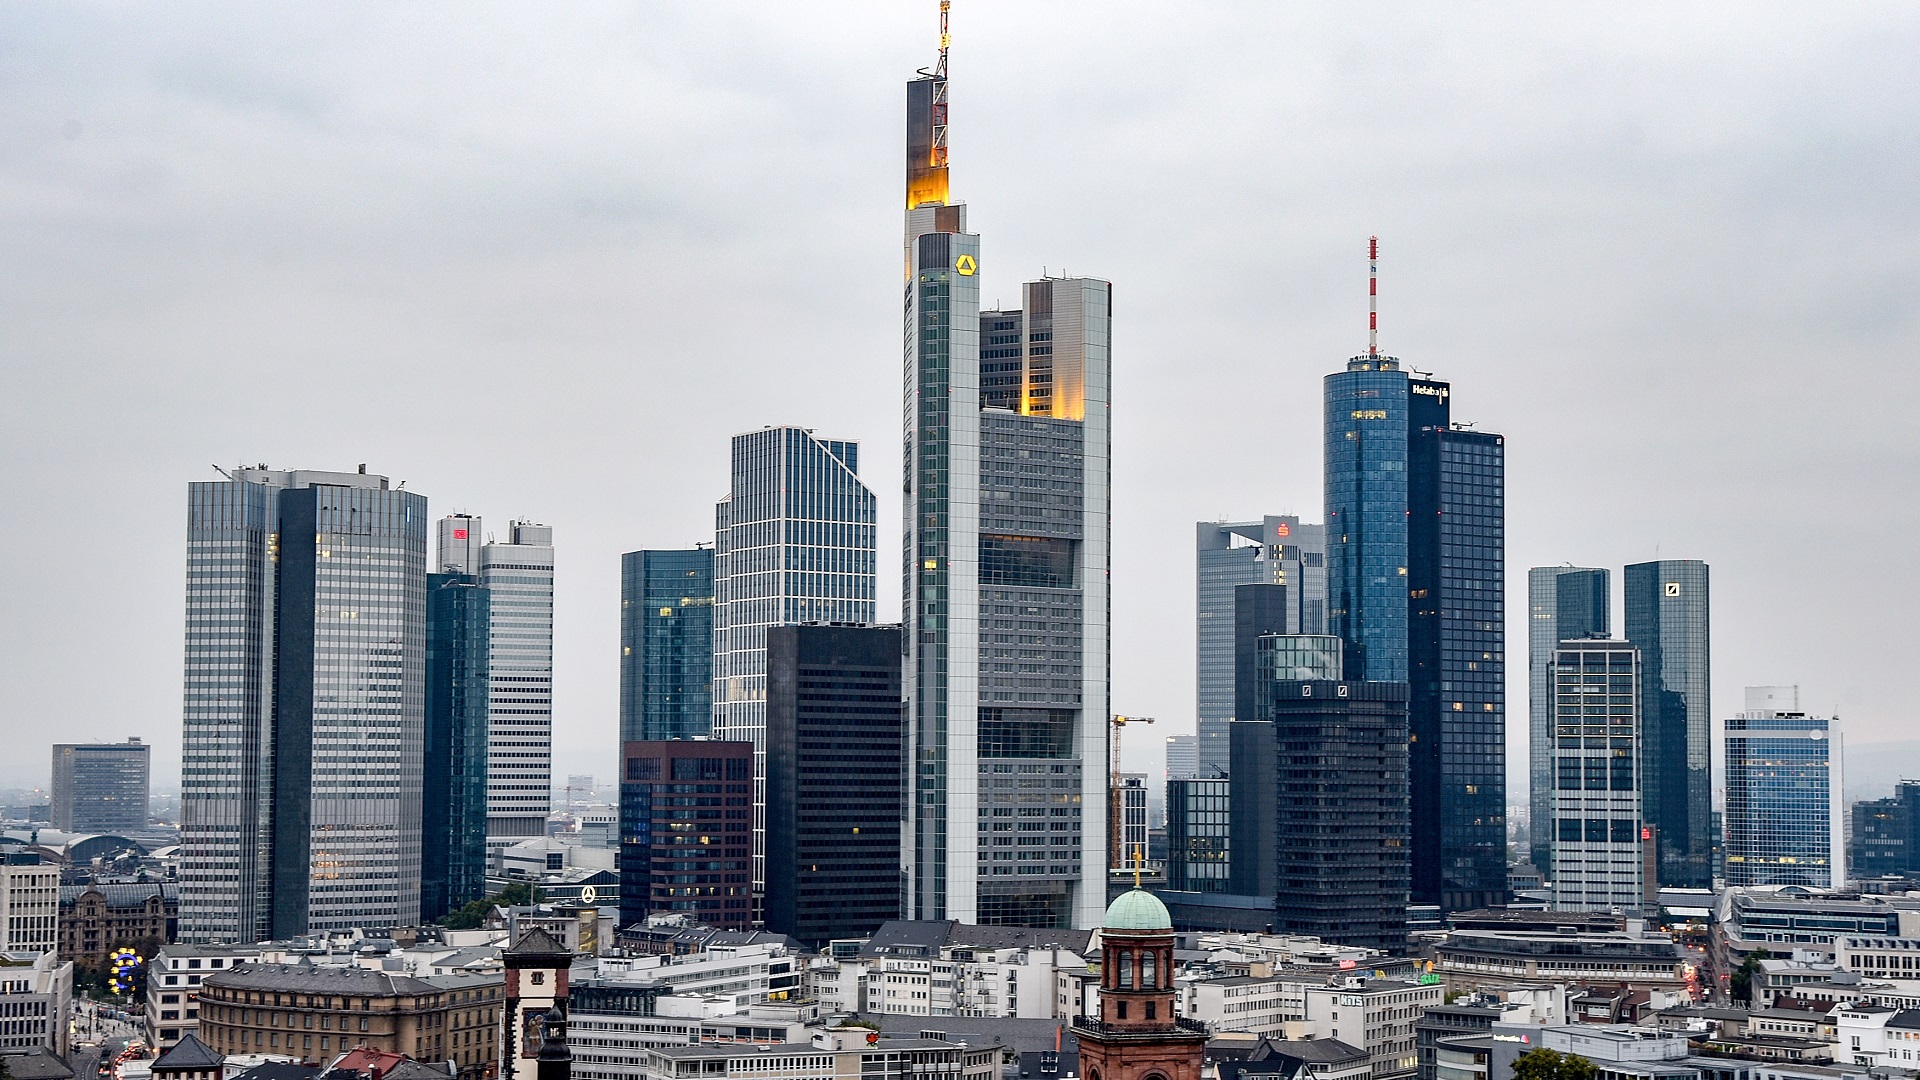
(543, 260)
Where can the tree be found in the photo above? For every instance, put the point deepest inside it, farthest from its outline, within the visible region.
(1545, 1064)
(474, 914)
(1741, 984)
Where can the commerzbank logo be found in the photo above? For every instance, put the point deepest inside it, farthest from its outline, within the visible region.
(965, 265)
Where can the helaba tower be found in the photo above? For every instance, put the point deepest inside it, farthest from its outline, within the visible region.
(1007, 558)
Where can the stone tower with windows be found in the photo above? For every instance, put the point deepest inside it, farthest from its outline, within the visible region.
(1137, 1036)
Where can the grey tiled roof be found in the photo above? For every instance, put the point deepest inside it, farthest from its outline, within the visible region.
(330, 979)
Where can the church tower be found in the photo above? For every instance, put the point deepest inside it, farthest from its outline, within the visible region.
(1137, 1036)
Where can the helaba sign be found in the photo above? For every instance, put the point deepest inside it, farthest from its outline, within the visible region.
(1432, 390)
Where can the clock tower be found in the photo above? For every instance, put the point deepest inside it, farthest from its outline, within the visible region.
(1137, 1036)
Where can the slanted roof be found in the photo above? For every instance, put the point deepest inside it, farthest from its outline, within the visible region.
(280, 1070)
(189, 1053)
(38, 1063)
(1316, 1051)
(537, 944)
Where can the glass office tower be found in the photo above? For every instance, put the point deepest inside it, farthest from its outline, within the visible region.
(1785, 819)
(1197, 855)
(1276, 550)
(518, 577)
(1006, 597)
(1564, 603)
(101, 787)
(666, 644)
(793, 543)
(453, 866)
(1416, 591)
(1667, 617)
(305, 706)
(1599, 844)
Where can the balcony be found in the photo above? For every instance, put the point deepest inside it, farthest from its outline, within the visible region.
(1178, 1024)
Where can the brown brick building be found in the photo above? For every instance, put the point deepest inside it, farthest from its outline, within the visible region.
(96, 918)
(316, 1012)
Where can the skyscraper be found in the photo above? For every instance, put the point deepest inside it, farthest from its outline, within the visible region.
(304, 706)
(453, 863)
(1197, 853)
(793, 543)
(1276, 550)
(1183, 761)
(836, 759)
(1599, 836)
(1564, 603)
(1416, 586)
(101, 787)
(1785, 820)
(1007, 560)
(1319, 798)
(518, 577)
(1667, 617)
(666, 644)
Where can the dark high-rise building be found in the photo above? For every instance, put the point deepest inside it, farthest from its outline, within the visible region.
(686, 831)
(1258, 611)
(101, 787)
(301, 751)
(1197, 852)
(1667, 618)
(1319, 817)
(666, 645)
(453, 820)
(1564, 603)
(1416, 587)
(1276, 550)
(1883, 840)
(836, 766)
(1007, 531)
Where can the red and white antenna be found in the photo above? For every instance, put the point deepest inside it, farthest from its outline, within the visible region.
(1373, 296)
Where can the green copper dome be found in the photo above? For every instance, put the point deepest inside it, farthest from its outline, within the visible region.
(1138, 909)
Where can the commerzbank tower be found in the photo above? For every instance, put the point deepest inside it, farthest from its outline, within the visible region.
(1006, 601)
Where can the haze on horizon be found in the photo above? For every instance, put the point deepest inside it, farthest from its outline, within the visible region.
(544, 262)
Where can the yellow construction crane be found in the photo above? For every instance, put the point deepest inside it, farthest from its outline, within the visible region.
(1116, 805)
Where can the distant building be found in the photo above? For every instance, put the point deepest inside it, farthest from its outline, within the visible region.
(101, 787)
(1319, 816)
(29, 903)
(36, 997)
(833, 1052)
(1598, 843)
(1667, 619)
(1884, 834)
(1499, 960)
(1378, 1016)
(174, 976)
(1128, 817)
(1563, 603)
(190, 1059)
(1197, 830)
(1183, 761)
(836, 759)
(1785, 820)
(317, 1011)
(1276, 550)
(686, 831)
(666, 644)
(453, 854)
(94, 919)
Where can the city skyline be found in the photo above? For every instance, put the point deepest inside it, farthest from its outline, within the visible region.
(1321, 306)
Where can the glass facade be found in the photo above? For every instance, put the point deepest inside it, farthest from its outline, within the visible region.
(1296, 658)
(836, 759)
(1884, 840)
(1667, 617)
(304, 710)
(1197, 855)
(1564, 603)
(518, 577)
(666, 644)
(1784, 816)
(686, 831)
(1183, 757)
(1599, 837)
(1367, 510)
(793, 543)
(1319, 817)
(101, 787)
(453, 863)
(1276, 550)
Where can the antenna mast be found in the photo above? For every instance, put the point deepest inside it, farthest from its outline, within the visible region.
(940, 92)
(1373, 277)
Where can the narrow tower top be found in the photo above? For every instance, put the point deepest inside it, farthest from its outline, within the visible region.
(927, 127)
(1373, 294)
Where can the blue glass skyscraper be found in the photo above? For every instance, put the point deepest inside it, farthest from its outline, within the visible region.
(666, 645)
(1667, 618)
(453, 848)
(1416, 590)
(1785, 820)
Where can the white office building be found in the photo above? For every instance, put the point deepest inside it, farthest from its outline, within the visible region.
(29, 904)
(1599, 837)
(518, 575)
